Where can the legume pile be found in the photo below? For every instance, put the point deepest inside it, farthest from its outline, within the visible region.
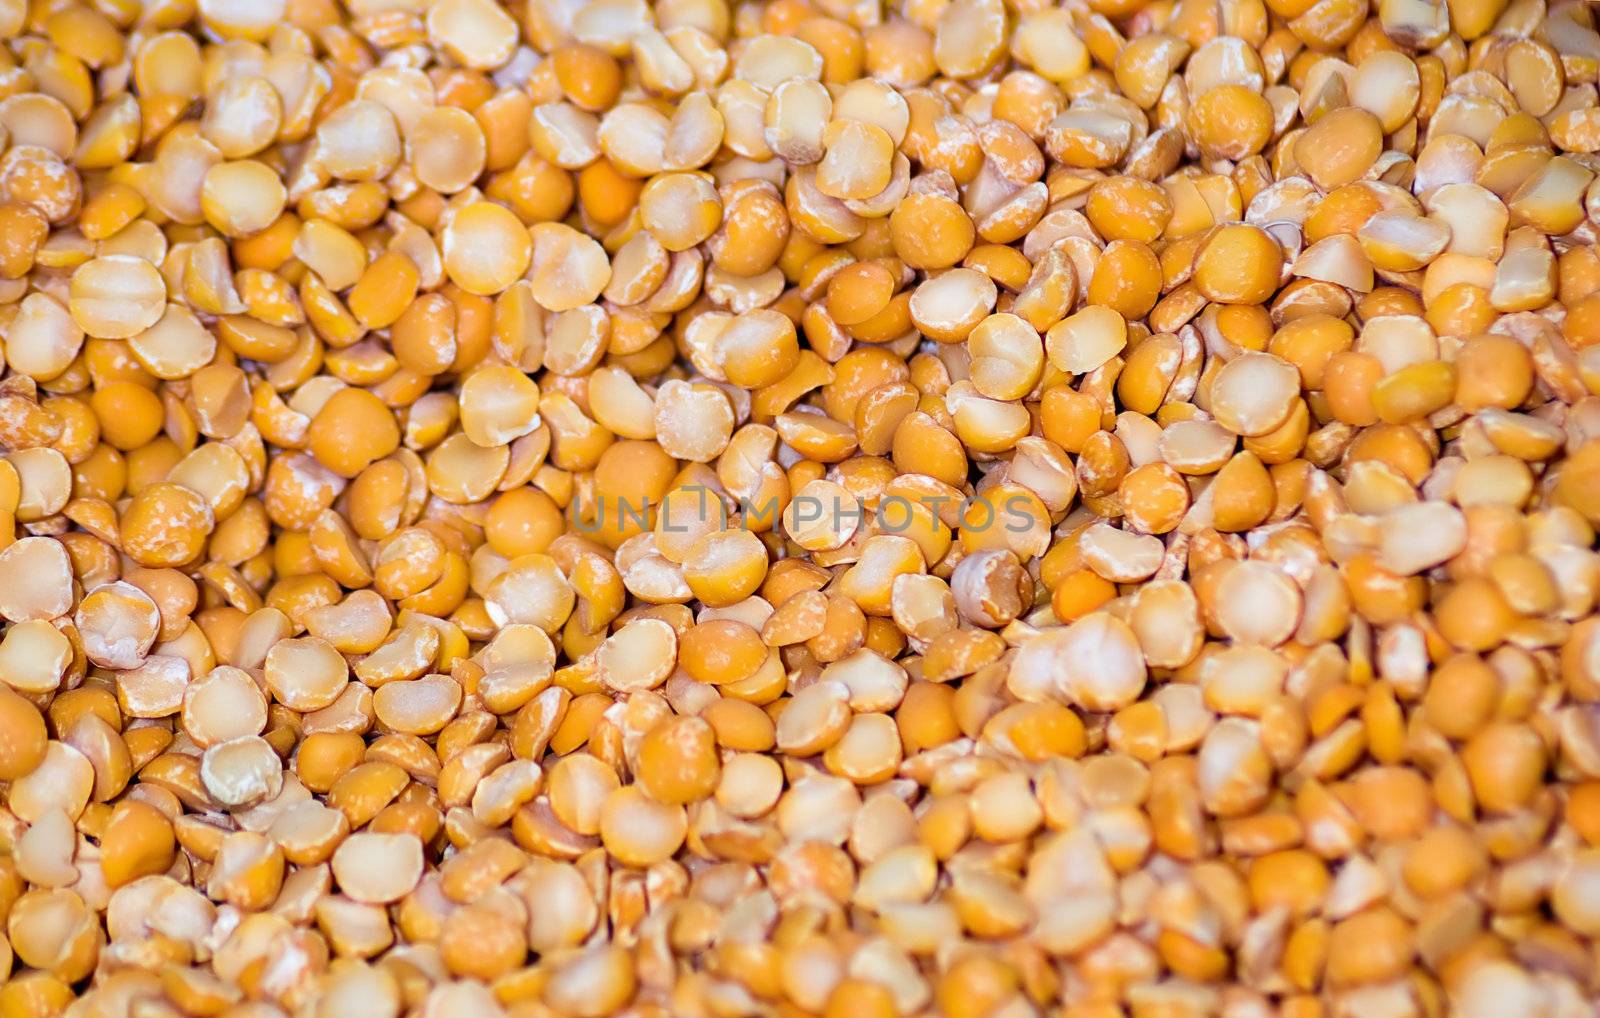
(1161, 445)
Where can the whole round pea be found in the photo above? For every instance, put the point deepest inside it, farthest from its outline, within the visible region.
(130, 415)
(523, 521)
(352, 430)
(1238, 265)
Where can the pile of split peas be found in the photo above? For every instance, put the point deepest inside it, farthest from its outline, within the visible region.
(744, 508)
